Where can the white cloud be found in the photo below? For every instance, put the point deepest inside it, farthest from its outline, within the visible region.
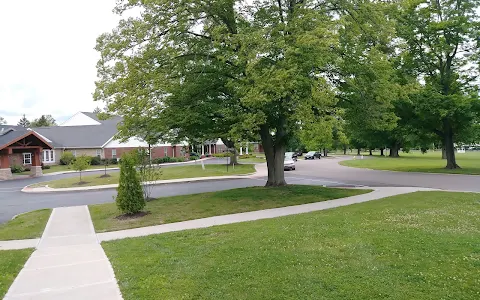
(47, 60)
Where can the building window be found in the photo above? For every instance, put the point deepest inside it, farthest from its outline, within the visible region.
(99, 153)
(165, 151)
(48, 156)
(27, 158)
(114, 153)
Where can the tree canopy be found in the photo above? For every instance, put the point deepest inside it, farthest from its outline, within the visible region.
(44, 121)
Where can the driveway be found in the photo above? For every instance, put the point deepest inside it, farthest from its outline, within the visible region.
(325, 172)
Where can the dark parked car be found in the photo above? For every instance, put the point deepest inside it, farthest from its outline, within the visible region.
(313, 155)
(298, 153)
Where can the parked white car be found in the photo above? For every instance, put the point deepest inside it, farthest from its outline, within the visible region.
(288, 163)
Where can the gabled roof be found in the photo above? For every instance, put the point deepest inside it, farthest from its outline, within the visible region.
(12, 134)
(88, 136)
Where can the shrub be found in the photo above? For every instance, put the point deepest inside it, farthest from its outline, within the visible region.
(113, 161)
(193, 158)
(246, 156)
(95, 161)
(17, 169)
(224, 154)
(166, 159)
(130, 198)
(27, 169)
(45, 167)
(67, 158)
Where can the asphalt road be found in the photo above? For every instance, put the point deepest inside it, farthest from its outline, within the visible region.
(318, 172)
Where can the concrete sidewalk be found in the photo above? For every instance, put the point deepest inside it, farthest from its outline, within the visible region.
(69, 262)
(378, 193)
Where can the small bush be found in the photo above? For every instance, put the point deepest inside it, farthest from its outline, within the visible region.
(246, 156)
(27, 169)
(95, 161)
(130, 198)
(45, 167)
(67, 158)
(17, 169)
(193, 158)
(113, 161)
(224, 154)
(166, 159)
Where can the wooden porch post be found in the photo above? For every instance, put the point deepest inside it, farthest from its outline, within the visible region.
(36, 169)
(5, 171)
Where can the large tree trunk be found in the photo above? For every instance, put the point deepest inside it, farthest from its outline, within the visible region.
(444, 152)
(381, 152)
(275, 155)
(449, 147)
(325, 152)
(394, 149)
(358, 151)
(344, 150)
(370, 152)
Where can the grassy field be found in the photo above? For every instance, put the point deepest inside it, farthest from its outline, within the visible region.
(189, 207)
(416, 162)
(166, 173)
(25, 226)
(11, 262)
(415, 246)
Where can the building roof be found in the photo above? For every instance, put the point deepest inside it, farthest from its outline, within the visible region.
(11, 134)
(87, 136)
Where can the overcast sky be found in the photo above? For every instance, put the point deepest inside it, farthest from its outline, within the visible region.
(47, 60)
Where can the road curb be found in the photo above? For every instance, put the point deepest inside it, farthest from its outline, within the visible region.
(43, 190)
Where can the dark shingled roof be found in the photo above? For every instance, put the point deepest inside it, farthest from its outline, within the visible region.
(9, 133)
(88, 136)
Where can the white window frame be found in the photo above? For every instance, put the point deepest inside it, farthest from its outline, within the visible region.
(114, 153)
(48, 156)
(98, 152)
(165, 151)
(25, 155)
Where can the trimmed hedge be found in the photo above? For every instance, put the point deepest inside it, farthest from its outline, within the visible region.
(167, 159)
(224, 154)
(96, 161)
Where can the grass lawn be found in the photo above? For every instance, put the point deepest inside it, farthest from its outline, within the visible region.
(417, 162)
(189, 207)
(11, 262)
(253, 160)
(167, 173)
(417, 246)
(63, 168)
(25, 226)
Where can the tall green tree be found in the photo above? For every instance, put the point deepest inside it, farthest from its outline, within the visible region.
(24, 122)
(3, 121)
(441, 49)
(44, 121)
(226, 68)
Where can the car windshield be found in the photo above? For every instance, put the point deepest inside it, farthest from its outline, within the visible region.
(289, 153)
(288, 157)
(311, 153)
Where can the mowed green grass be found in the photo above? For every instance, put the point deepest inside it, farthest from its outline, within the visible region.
(189, 207)
(64, 168)
(166, 173)
(417, 246)
(11, 262)
(25, 226)
(416, 162)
